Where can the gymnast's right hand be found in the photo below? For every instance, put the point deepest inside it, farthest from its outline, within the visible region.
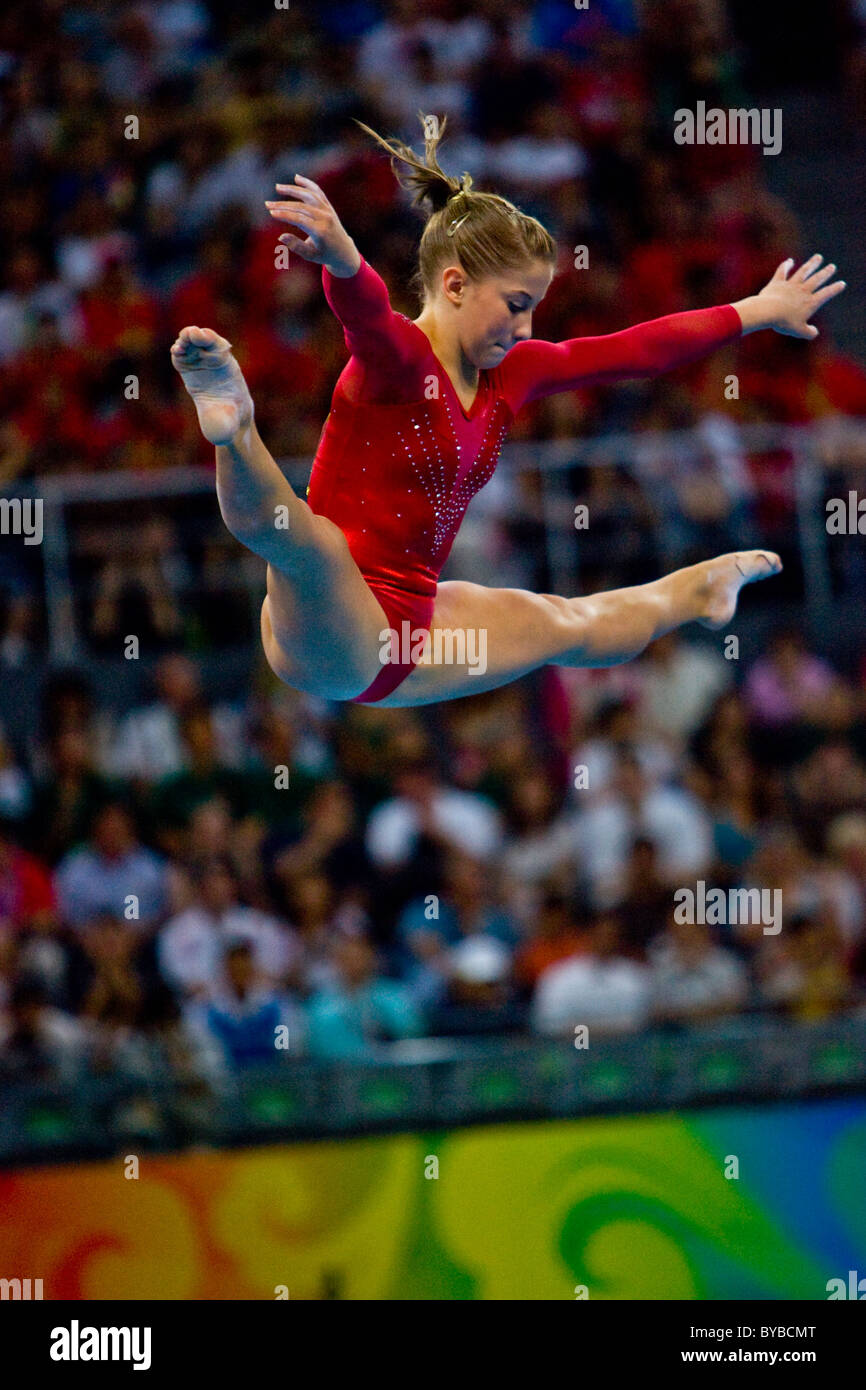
(327, 242)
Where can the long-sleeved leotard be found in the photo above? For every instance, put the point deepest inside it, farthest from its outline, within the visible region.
(399, 458)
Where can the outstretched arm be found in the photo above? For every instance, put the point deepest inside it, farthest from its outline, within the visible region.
(379, 339)
(535, 368)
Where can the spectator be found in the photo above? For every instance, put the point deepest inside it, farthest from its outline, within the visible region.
(191, 947)
(148, 742)
(247, 1023)
(601, 989)
(362, 1011)
(672, 819)
(681, 682)
(66, 799)
(425, 808)
(555, 937)
(112, 873)
(693, 980)
(39, 1042)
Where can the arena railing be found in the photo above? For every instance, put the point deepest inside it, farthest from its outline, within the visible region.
(435, 1083)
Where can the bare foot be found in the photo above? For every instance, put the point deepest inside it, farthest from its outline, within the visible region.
(215, 381)
(722, 579)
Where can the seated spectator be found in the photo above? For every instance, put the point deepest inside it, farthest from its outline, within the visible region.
(478, 998)
(540, 843)
(191, 947)
(846, 846)
(827, 783)
(312, 906)
(792, 694)
(27, 898)
(113, 873)
(465, 908)
(601, 988)
(361, 1011)
(112, 998)
(278, 805)
(425, 808)
(67, 797)
(242, 1024)
(680, 683)
(804, 971)
(555, 937)
(614, 730)
(38, 1042)
(673, 820)
(694, 980)
(646, 899)
(175, 797)
(329, 842)
(147, 742)
(733, 798)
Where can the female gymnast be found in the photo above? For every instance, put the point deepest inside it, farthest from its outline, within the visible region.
(416, 423)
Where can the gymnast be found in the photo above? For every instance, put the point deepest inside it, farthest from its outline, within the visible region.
(417, 420)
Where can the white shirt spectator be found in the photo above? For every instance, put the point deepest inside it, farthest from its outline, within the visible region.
(19, 316)
(468, 821)
(190, 947)
(147, 743)
(613, 995)
(679, 691)
(716, 979)
(600, 757)
(455, 46)
(89, 884)
(672, 819)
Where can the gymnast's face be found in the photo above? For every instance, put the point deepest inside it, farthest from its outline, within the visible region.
(496, 312)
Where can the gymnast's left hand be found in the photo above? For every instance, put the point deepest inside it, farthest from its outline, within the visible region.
(788, 301)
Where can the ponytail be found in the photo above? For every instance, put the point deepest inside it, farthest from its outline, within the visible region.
(487, 234)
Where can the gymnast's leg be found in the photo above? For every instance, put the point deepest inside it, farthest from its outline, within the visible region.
(506, 633)
(320, 622)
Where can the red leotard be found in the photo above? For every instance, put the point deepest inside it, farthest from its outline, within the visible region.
(399, 458)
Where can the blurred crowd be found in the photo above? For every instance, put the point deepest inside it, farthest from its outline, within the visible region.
(139, 141)
(204, 886)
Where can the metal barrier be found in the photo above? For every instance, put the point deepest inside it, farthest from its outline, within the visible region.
(436, 1083)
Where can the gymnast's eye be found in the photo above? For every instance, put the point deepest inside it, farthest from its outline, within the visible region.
(516, 308)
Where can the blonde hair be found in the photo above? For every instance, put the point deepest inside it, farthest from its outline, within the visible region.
(485, 233)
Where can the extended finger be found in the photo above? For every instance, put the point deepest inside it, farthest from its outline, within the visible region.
(301, 178)
(809, 267)
(302, 246)
(829, 292)
(821, 277)
(293, 212)
(784, 269)
(305, 195)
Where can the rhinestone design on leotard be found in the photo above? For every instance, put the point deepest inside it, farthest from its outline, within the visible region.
(449, 498)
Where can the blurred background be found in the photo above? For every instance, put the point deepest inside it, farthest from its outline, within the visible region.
(428, 903)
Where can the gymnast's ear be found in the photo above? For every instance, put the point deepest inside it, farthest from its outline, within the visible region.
(453, 282)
